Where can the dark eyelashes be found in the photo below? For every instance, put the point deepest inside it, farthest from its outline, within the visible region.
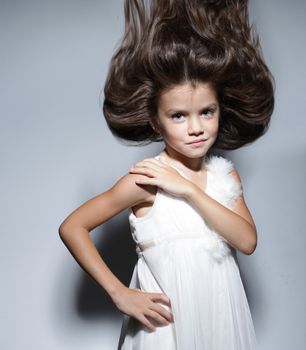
(210, 110)
(176, 115)
(205, 111)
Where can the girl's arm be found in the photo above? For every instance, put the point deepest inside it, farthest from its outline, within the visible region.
(235, 225)
(74, 232)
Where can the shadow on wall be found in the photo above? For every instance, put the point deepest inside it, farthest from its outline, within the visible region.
(117, 248)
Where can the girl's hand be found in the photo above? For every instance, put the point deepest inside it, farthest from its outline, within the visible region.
(142, 306)
(163, 175)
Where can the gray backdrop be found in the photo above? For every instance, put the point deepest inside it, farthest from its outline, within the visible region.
(56, 152)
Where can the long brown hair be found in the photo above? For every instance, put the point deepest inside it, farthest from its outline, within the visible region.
(170, 42)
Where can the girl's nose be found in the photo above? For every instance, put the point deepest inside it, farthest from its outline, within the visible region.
(195, 126)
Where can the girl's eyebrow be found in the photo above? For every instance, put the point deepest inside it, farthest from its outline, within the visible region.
(172, 110)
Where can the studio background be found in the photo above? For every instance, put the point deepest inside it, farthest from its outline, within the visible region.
(56, 153)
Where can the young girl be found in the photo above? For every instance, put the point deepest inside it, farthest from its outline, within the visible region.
(189, 73)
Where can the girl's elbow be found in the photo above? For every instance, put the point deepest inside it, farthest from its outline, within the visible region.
(61, 231)
(64, 231)
(250, 247)
(68, 230)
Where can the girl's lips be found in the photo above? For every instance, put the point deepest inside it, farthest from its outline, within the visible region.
(196, 143)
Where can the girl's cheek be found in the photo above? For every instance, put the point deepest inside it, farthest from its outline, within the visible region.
(215, 126)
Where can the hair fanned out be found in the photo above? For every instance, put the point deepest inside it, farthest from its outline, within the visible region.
(170, 42)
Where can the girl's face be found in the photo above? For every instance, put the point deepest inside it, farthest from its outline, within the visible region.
(188, 119)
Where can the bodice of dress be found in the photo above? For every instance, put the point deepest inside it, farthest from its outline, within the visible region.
(174, 218)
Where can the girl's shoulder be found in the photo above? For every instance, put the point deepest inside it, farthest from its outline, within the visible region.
(219, 164)
(126, 189)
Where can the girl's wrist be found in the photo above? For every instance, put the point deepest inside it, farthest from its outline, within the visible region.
(191, 191)
(116, 291)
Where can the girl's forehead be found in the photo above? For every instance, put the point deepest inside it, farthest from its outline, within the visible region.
(186, 93)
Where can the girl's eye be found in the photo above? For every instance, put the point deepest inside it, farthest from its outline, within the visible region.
(208, 112)
(177, 116)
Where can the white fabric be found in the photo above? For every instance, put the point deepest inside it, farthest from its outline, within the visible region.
(180, 256)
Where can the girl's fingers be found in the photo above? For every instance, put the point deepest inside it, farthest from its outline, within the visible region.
(157, 317)
(160, 297)
(147, 323)
(143, 170)
(147, 181)
(142, 166)
(162, 311)
(153, 164)
(153, 314)
(152, 161)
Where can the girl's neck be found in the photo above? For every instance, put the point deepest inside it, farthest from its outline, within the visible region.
(186, 164)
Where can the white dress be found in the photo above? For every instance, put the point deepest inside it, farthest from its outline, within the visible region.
(180, 256)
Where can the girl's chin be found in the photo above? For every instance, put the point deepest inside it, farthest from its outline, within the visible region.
(196, 152)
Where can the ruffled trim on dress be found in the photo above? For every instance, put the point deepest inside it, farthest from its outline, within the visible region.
(225, 189)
